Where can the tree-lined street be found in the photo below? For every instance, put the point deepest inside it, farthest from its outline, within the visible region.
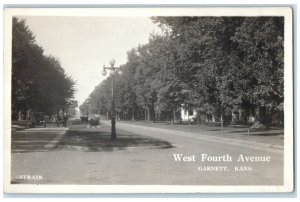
(200, 103)
(144, 155)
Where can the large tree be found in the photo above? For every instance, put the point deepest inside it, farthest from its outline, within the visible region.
(259, 66)
(216, 65)
(39, 83)
(226, 60)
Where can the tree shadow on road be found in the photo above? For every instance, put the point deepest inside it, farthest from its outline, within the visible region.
(31, 142)
(94, 141)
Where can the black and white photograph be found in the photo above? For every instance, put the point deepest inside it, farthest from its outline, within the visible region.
(148, 100)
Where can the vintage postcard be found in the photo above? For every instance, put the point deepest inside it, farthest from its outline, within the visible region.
(148, 100)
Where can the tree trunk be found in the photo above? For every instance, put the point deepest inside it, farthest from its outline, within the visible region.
(222, 123)
(173, 117)
(260, 119)
(133, 118)
(208, 120)
(148, 114)
(260, 115)
(241, 115)
(153, 112)
(180, 118)
(153, 115)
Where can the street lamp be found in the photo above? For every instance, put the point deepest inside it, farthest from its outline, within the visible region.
(113, 69)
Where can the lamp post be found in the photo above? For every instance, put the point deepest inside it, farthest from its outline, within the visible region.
(113, 69)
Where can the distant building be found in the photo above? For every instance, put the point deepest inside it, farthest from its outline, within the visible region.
(188, 114)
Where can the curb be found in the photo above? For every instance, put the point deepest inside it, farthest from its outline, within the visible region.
(201, 136)
(114, 148)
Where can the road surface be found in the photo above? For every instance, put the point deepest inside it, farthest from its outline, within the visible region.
(151, 156)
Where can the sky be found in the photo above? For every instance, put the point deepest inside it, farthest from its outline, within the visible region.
(84, 44)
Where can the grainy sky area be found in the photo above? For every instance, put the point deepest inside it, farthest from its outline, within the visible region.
(84, 44)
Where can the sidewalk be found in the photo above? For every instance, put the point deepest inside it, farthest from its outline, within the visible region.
(36, 139)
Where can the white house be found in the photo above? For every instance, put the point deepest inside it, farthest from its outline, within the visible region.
(188, 114)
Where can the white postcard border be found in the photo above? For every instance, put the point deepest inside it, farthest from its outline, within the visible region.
(122, 12)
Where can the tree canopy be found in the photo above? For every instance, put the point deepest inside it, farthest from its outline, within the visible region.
(39, 83)
(216, 65)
